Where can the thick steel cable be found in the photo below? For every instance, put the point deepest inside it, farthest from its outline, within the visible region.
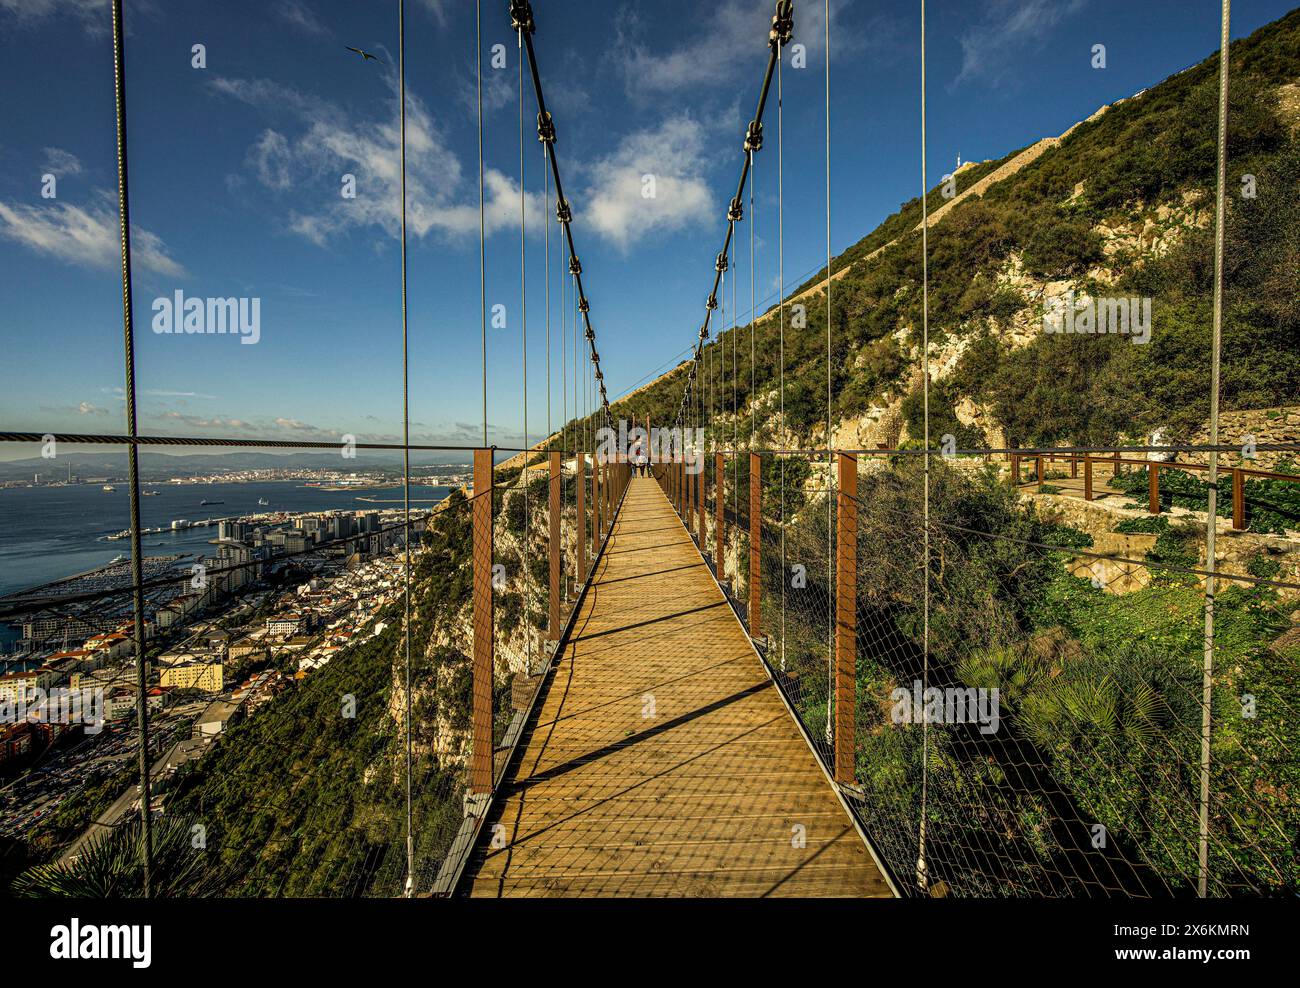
(782, 27)
(921, 875)
(133, 458)
(406, 452)
(1211, 518)
(522, 18)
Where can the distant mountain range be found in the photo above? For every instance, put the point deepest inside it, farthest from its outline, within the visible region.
(160, 466)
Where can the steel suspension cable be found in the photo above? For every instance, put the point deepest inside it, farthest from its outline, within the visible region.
(564, 362)
(921, 872)
(778, 36)
(133, 458)
(522, 21)
(523, 349)
(780, 267)
(546, 253)
(735, 411)
(1207, 672)
(406, 451)
(482, 222)
(830, 457)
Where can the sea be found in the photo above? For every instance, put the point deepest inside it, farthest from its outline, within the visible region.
(51, 533)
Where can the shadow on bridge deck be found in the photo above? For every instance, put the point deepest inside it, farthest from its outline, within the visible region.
(662, 761)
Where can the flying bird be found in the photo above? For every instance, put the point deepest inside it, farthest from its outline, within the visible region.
(365, 54)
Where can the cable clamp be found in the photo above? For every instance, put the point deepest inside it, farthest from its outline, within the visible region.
(754, 136)
(737, 211)
(575, 266)
(721, 264)
(521, 16)
(545, 127)
(782, 24)
(712, 302)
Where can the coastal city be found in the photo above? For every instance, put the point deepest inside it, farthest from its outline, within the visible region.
(276, 598)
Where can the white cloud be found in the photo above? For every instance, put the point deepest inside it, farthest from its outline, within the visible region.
(438, 8)
(269, 158)
(86, 408)
(674, 153)
(441, 198)
(297, 14)
(86, 235)
(62, 162)
(95, 15)
(1008, 27)
(735, 35)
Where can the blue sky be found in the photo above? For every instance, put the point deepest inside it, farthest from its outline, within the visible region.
(236, 173)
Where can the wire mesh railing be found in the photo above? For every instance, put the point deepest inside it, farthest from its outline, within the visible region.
(1028, 714)
(300, 613)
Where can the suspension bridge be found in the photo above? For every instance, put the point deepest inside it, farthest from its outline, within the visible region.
(699, 680)
(662, 760)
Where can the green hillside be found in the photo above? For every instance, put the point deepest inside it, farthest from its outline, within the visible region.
(1154, 150)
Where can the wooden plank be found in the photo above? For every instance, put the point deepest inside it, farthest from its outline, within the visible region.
(661, 760)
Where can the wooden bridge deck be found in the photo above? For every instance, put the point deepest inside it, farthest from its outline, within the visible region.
(662, 761)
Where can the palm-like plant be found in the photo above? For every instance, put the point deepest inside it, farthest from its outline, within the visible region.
(111, 868)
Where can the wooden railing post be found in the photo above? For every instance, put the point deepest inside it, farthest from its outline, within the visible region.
(846, 633)
(701, 482)
(1015, 470)
(690, 496)
(553, 632)
(719, 514)
(595, 507)
(1039, 467)
(482, 603)
(1153, 487)
(755, 544)
(1087, 476)
(1238, 499)
(1074, 466)
(580, 529)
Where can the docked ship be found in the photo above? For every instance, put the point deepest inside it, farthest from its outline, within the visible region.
(202, 503)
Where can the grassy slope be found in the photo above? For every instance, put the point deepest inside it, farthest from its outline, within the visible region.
(1143, 152)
